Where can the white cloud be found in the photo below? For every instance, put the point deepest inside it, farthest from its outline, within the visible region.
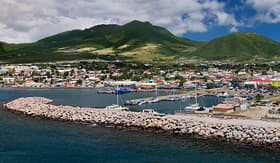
(233, 29)
(30, 20)
(268, 11)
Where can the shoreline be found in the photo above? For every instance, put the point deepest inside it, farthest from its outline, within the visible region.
(265, 134)
(94, 88)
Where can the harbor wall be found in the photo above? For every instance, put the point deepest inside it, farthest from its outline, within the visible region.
(245, 134)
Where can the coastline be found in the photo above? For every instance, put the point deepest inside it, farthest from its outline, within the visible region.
(263, 133)
(91, 88)
(51, 88)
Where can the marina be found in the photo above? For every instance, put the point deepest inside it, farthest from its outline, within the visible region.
(31, 132)
(173, 97)
(140, 81)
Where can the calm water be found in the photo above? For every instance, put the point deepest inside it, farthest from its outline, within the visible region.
(24, 139)
(90, 98)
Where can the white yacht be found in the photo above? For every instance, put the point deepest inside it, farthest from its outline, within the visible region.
(155, 100)
(117, 106)
(194, 107)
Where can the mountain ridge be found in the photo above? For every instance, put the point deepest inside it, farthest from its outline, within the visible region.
(138, 41)
(240, 45)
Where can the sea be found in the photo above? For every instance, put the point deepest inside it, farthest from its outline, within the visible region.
(27, 140)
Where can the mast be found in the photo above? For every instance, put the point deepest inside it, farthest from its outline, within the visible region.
(156, 91)
(195, 95)
(118, 95)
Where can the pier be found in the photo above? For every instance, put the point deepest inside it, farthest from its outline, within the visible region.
(186, 94)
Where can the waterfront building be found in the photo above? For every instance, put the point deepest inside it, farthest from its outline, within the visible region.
(9, 81)
(223, 108)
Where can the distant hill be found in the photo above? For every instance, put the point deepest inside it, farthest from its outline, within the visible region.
(239, 46)
(139, 41)
(2, 50)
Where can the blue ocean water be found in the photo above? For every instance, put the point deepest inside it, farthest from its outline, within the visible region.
(25, 139)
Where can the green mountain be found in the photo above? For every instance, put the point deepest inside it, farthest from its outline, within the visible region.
(138, 41)
(239, 46)
(2, 50)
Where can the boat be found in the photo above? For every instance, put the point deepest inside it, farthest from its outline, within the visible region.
(154, 101)
(142, 102)
(149, 111)
(222, 94)
(121, 91)
(176, 98)
(117, 106)
(152, 111)
(107, 91)
(194, 107)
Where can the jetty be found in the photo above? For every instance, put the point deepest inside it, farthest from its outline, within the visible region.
(252, 132)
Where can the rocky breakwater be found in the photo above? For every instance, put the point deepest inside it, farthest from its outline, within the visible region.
(248, 134)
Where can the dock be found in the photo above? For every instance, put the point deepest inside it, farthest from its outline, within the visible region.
(173, 97)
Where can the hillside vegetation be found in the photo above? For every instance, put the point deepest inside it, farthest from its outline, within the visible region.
(101, 40)
(239, 46)
(139, 42)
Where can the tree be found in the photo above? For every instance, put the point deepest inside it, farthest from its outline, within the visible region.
(36, 79)
(102, 78)
(57, 73)
(210, 85)
(65, 75)
(259, 97)
(79, 82)
(49, 75)
(136, 78)
(72, 72)
(147, 76)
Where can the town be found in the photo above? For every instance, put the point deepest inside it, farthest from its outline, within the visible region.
(241, 85)
(104, 74)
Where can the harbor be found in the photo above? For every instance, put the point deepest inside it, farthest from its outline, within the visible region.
(253, 132)
(33, 132)
(176, 96)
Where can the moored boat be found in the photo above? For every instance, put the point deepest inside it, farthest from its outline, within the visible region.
(142, 102)
(152, 111)
(117, 107)
(154, 100)
(121, 91)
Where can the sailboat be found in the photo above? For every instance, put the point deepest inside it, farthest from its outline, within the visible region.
(194, 107)
(117, 106)
(155, 100)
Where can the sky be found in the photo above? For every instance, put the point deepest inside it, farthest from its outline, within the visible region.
(201, 20)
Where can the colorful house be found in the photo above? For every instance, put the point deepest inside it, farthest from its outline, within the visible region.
(275, 82)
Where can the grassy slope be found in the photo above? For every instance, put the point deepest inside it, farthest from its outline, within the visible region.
(138, 41)
(239, 46)
(135, 35)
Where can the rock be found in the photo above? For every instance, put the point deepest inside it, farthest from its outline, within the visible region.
(38, 106)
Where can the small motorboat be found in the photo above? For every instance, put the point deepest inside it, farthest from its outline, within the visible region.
(142, 102)
(154, 100)
(152, 111)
